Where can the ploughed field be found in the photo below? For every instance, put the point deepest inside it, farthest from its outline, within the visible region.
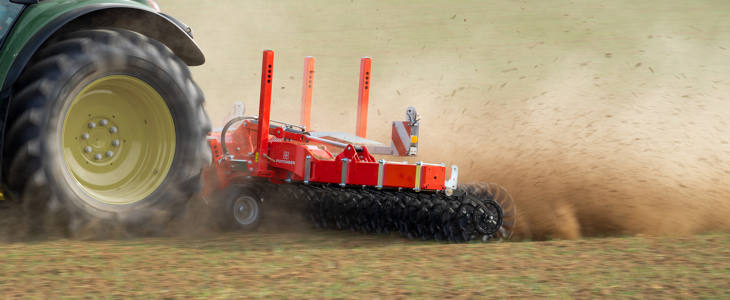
(329, 264)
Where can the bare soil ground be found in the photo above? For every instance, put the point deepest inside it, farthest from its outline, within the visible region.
(350, 266)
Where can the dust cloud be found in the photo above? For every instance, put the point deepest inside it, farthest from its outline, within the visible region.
(601, 118)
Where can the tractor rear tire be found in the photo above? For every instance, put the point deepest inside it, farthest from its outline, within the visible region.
(106, 131)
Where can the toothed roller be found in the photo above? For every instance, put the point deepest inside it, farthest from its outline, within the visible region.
(426, 215)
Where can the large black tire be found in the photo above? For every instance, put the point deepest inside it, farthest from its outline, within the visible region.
(34, 170)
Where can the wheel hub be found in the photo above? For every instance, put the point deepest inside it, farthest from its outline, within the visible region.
(118, 139)
(245, 210)
(100, 141)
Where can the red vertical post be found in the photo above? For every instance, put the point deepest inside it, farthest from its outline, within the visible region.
(363, 98)
(262, 140)
(308, 79)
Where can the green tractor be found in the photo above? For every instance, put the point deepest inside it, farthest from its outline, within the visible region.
(101, 122)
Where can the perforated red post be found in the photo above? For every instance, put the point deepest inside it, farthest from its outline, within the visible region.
(307, 81)
(363, 98)
(262, 145)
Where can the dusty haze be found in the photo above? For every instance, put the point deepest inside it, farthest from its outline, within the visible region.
(601, 118)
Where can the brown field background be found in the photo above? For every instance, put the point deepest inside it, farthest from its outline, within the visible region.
(601, 117)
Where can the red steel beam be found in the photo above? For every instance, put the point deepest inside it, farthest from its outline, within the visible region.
(262, 140)
(308, 79)
(363, 98)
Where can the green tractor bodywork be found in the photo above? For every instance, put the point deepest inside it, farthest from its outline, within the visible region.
(99, 113)
(31, 24)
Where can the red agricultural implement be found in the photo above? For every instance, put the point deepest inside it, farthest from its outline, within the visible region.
(335, 179)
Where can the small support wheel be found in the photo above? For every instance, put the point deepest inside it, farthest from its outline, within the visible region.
(240, 209)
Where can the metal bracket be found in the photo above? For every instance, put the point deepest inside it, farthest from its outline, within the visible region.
(381, 173)
(343, 179)
(412, 116)
(419, 166)
(307, 168)
(452, 183)
(239, 165)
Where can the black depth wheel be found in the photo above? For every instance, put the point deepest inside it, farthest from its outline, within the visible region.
(246, 210)
(240, 208)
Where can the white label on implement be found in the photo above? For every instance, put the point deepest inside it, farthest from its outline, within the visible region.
(312, 147)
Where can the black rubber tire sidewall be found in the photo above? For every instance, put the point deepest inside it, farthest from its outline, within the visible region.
(121, 52)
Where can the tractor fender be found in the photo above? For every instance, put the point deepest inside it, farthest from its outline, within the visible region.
(154, 25)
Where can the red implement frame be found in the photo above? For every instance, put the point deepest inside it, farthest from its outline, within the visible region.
(262, 139)
(283, 154)
(363, 98)
(307, 81)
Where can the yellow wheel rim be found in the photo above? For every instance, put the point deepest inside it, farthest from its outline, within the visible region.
(118, 139)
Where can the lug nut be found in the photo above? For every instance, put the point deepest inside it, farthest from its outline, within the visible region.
(113, 129)
(97, 156)
(92, 124)
(115, 143)
(109, 153)
(103, 122)
(85, 136)
(87, 149)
